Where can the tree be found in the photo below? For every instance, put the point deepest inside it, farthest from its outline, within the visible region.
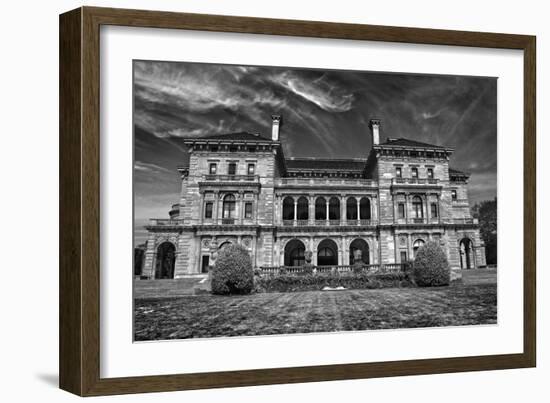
(486, 212)
(233, 273)
(430, 267)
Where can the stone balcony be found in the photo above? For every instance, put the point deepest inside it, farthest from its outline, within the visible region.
(328, 223)
(415, 181)
(464, 221)
(231, 178)
(209, 180)
(166, 222)
(330, 182)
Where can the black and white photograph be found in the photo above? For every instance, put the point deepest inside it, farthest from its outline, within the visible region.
(272, 200)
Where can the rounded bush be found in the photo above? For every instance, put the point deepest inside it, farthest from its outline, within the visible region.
(233, 272)
(430, 267)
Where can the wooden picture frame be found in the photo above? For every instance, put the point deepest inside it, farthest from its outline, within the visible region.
(79, 278)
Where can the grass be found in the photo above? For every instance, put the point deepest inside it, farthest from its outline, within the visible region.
(165, 288)
(470, 303)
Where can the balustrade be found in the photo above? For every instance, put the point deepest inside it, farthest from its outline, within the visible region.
(231, 178)
(166, 221)
(368, 268)
(415, 181)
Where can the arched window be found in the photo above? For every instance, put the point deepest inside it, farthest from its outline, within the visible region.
(320, 208)
(295, 253)
(303, 209)
(364, 209)
(417, 245)
(363, 246)
(417, 207)
(351, 208)
(288, 208)
(334, 209)
(228, 206)
(327, 253)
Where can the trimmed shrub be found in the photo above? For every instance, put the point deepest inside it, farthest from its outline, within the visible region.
(317, 281)
(430, 267)
(233, 272)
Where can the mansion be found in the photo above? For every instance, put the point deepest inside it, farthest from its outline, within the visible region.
(240, 188)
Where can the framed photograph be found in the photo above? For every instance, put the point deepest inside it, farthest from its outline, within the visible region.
(250, 201)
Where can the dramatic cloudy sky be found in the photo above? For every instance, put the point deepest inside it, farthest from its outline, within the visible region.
(325, 114)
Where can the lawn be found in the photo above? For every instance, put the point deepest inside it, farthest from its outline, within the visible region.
(314, 311)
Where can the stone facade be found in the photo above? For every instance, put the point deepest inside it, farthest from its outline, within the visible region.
(240, 188)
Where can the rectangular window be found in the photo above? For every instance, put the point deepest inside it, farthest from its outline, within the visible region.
(434, 210)
(403, 256)
(205, 263)
(398, 172)
(401, 210)
(208, 210)
(232, 168)
(251, 169)
(430, 173)
(213, 169)
(414, 172)
(453, 194)
(248, 210)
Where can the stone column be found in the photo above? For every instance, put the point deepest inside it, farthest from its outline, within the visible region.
(281, 253)
(395, 203)
(345, 251)
(428, 208)
(410, 254)
(344, 209)
(314, 252)
(358, 200)
(240, 206)
(277, 204)
(295, 210)
(255, 209)
(201, 208)
(327, 204)
(311, 210)
(425, 208)
(407, 208)
(438, 209)
(253, 248)
(216, 206)
(148, 264)
(375, 209)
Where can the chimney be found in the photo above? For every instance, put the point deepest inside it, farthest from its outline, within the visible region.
(374, 125)
(275, 127)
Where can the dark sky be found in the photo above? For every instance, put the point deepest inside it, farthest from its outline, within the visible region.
(325, 114)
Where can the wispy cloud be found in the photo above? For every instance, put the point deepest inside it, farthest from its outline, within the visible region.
(149, 168)
(320, 91)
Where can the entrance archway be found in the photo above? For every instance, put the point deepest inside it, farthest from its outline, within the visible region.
(295, 253)
(327, 253)
(363, 246)
(166, 260)
(466, 254)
